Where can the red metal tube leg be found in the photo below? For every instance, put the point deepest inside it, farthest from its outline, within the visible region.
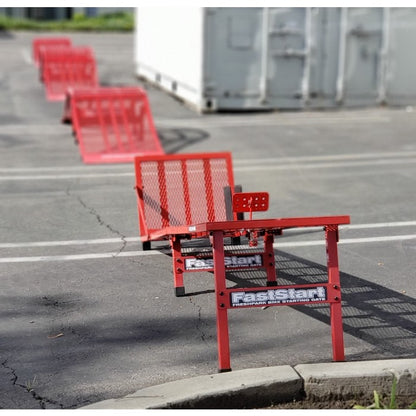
(177, 267)
(223, 341)
(331, 234)
(269, 260)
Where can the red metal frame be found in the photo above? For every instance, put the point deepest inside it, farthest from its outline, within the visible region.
(261, 296)
(111, 124)
(40, 43)
(166, 203)
(63, 68)
(176, 191)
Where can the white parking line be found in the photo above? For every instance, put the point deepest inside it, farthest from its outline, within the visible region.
(81, 168)
(272, 120)
(119, 240)
(240, 165)
(327, 165)
(90, 256)
(70, 242)
(348, 241)
(378, 225)
(27, 57)
(69, 176)
(84, 169)
(248, 168)
(320, 158)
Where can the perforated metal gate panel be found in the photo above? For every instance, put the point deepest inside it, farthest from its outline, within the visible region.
(113, 124)
(63, 68)
(177, 190)
(40, 43)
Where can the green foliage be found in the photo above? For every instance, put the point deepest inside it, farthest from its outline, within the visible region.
(113, 22)
(392, 404)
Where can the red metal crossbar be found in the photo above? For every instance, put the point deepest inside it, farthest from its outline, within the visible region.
(39, 43)
(112, 124)
(63, 68)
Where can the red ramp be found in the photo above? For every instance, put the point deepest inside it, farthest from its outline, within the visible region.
(63, 68)
(112, 125)
(40, 43)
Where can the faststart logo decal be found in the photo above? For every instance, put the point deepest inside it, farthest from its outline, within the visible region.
(229, 262)
(278, 296)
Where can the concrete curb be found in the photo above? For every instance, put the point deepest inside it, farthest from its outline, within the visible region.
(263, 386)
(359, 379)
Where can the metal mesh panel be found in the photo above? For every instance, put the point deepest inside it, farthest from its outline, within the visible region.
(175, 193)
(113, 124)
(197, 195)
(63, 68)
(39, 44)
(146, 134)
(219, 181)
(183, 190)
(151, 195)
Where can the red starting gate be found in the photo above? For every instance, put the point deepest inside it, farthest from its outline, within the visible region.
(63, 68)
(41, 43)
(272, 294)
(112, 125)
(176, 202)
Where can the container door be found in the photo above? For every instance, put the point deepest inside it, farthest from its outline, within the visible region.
(232, 58)
(325, 31)
(362, 56)
(401, 59)
(287, 53)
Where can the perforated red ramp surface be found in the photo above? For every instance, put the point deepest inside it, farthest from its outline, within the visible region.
(112, 125)
(180, 190)
(39, 43)
(63, 68)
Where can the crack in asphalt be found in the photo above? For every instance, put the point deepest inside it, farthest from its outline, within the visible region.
(200, 322)
(100, 221)
(14, 379)
(42, 401)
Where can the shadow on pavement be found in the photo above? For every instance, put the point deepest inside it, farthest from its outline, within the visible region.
(382, 317)
(174, 140)
(373, 313)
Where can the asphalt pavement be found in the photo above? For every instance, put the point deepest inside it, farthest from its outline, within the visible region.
(87, 316)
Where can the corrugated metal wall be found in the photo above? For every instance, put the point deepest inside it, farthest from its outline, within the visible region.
(313, 57)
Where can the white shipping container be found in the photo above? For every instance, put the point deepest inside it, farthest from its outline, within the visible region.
(169, 49)
(278, 57)
(237, 57)
(209, 57)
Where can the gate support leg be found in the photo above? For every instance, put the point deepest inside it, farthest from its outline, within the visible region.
(177, 267)
(269, 260)
(331, 236)
(223, 340)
